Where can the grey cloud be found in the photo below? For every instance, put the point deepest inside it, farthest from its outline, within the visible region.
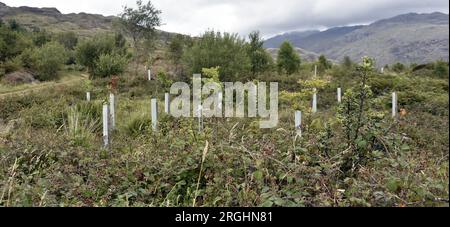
(242, 16)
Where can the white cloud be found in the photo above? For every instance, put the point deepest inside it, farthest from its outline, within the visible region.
(242, 16)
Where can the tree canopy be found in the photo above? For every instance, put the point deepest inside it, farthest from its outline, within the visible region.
(288, 60)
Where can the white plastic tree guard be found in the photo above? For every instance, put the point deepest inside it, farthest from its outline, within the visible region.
(154, 109)
(339, 95)
(314, 103)
(200, 117)
(298, 122)
(220, 102)
(106, 126)
(394, 104)
(112, 110)
(167, 103)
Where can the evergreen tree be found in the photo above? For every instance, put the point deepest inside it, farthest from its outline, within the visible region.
(288, 60)
(176, 50)
(259, 58)
(347, 62)
(324, 64)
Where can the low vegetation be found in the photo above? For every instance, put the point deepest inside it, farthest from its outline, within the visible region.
(351, 153)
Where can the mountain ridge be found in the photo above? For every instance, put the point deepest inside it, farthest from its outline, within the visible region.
(388, 40)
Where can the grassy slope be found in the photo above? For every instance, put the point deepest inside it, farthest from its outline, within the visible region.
(67, 78)
(84, 25)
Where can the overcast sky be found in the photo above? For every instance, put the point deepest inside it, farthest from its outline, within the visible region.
(242, 16)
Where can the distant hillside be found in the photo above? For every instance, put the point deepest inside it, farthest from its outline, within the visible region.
(305, 55)
(51, 19)
(276, 41)
(408, 38)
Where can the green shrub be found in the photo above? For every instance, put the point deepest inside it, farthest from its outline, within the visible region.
(110, 64)
(12, 65)
(50, 114)
(89, 52)
(12, 43)
(48, 60)
(68, 39)
(10, 107)
(219, 49)
(27, 58)
(398, 67)
(164, 81)
(441, 69)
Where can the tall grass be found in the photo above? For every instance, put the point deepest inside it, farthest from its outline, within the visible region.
(81, 127)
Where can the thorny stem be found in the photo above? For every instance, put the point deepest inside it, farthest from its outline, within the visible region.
(362, 100)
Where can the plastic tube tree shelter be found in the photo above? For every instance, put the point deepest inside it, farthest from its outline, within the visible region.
(112, 100)
(339, 95)
(154, 112)
(394, 104)
(106, 129)
(314, 102)
(167, 103)
(298, 123)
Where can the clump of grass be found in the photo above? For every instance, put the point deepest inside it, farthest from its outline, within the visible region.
(205, 152)
(138, 126)
(81, 129)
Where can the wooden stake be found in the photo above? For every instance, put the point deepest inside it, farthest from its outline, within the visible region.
(149, 74)
(88, 96)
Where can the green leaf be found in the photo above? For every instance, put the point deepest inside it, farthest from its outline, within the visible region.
(362, 144)
(279, 201)
(393, 185)
(267, 203)
(405, 147)
(290, 179)
(258, 175)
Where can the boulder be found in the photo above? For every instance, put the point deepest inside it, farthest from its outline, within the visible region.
(19, 77)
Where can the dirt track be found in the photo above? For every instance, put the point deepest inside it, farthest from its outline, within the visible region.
(43, 87)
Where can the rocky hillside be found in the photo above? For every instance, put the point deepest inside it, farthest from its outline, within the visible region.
(293, 37)
(408, 38)
(51, 19)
